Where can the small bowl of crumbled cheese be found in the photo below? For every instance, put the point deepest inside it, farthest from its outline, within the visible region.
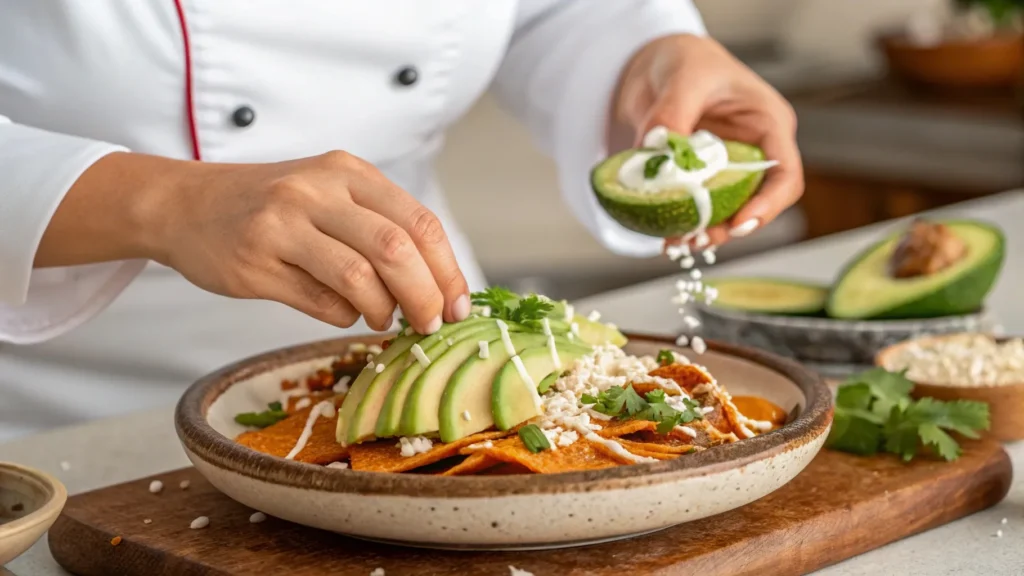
(967, 366)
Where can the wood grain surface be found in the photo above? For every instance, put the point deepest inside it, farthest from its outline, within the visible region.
(840, 506)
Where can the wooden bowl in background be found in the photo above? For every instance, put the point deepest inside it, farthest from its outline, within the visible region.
(996, 62)
(1005, 401)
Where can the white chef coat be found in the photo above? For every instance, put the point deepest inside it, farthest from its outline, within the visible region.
(80, 79)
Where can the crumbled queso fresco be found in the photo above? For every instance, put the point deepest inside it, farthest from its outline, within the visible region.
(962, 360)
(414, 445)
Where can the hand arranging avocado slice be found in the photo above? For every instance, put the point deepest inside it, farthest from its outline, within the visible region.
(674, 185)
(932, 269)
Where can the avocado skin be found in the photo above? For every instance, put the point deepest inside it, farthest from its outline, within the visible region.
(963, 295)
(672, 217)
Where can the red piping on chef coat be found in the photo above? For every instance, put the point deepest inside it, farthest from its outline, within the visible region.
(190, 109)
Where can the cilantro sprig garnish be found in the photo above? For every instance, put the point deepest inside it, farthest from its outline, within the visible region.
(510, 307)
(625, 404)
(272, 415)
(874, 413)
(683, 153)
(665, 357)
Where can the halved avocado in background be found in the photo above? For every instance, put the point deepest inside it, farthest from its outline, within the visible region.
(673, 212)
(770, 295)
(867, 288)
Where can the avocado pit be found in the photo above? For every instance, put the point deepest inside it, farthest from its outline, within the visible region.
(927, 248)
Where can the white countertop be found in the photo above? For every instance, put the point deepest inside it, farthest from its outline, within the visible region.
(110, 451)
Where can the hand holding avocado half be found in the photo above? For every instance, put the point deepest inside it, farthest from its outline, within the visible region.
(691, 85)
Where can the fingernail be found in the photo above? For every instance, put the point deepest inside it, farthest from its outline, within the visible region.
(434, 326)
(460, 310)
(744, 229)
(388, 324)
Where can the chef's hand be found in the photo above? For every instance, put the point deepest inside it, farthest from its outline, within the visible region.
(687, 83)
(328, 235)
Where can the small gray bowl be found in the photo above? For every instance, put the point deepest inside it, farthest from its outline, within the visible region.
(832, 346)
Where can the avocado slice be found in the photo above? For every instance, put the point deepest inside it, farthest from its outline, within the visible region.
(866, 288)
(389, 420)
(363, 420)
(770, 295)
(420, 415)
(512, 399)
(363, 380)
(673, 212)
(468, 391)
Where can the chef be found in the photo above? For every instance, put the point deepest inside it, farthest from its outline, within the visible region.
(187, 182)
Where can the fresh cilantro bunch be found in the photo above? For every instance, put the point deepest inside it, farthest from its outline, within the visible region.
(874, 412)
(625, 404)
(510, 307)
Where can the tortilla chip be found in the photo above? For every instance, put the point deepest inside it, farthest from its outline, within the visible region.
(675, 449)
(580, 455)
(687, 376)
(385, 455)
(473, 464)
(616, 428)
(278, 439)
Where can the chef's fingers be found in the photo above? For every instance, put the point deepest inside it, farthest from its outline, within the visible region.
(294, 287)
(380, 195)
(783, 184)
(388, 251)
(679, 108)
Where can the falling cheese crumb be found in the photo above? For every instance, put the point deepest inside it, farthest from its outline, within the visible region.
(156, 486)
(257, 517)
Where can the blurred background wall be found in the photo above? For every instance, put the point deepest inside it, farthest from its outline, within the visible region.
(874, 146)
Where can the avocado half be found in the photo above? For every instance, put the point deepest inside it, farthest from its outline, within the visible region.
(867, 290)
(673, 213)
(770, 296)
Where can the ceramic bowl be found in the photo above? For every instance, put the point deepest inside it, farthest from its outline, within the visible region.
(502, 512)
(988, 63)
(30, 502)
(1004, 400)
(830, 345)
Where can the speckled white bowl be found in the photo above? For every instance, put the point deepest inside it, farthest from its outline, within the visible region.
(30, 501)
(503, 512)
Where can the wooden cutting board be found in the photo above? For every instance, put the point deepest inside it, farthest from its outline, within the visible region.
(840, 506)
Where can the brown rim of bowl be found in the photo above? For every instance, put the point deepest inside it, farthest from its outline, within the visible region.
(900, 41)
(57, 496)
(201, 439)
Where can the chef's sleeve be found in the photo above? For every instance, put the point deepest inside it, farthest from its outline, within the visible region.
(36, 170)
(559, 76)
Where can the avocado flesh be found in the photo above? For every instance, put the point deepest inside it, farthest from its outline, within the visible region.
(867, 290)
(358, 388)
(673, 213)
(512, 400)
(363, 421)
(420, 415)
(769, 295)
(469, 388)
(389, 419)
